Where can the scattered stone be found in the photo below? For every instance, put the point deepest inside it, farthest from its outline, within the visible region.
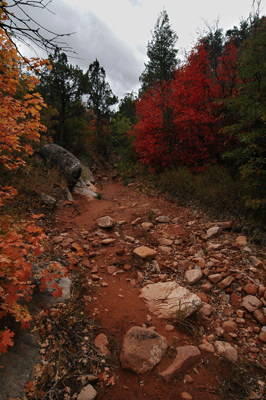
(193, 276)
(255, 262)
(251, 303)
(136, 221)
(206, 309)
(188, 379)
(147, 225)
(241, 240)
(111, 269)
(186, 396)
(169, 328)
(165, 249)
(170, 300)
(227, 351)
(58, 239)
(186, 357)
(215, 278)
(129, 239)
(127, 267)
(140, 276)
(145, 252)
(163, 219)
(208, 347)
(87, 393)
(185, 264)
(108, 241)
(206, 287)
(165, 242)
(105, 222)
(262, 335)
(213, 232)
(229, 326)
(48, 201)
(251, 288)
(142, 349)
(260, 317)
(95, 277)
(101, 342)
(226, 282)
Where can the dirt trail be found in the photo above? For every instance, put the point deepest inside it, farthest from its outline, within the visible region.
(116, 305)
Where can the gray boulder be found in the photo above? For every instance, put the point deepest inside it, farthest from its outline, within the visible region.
(68, 165)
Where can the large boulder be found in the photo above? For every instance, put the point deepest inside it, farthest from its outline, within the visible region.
(58, 157)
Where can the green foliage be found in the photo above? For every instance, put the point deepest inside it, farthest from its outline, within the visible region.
(249, 104)
(62, 88)
(127, 106)
(161, 52)
(100, 95)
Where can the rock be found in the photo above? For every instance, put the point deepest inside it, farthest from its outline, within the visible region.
(206, 287)
(169, 328)
(251, 303)
(145, 252)
(105, 222)
(255, 262)
(84, 190)
(262, 335)
(142, 349)
(260, 317)
(68, 165)
(215, 278)
(185, 264)
(163, 219)
(251, 288)
(186, 357)
(169, 300)
(193, 276)
(241, 240)
(206, 309)
(147, 225)
(165, 242)
(208, 347)
(165, 249)
(225, 350)
(87, 393)
(136, 221)
(101, 342)
(111, 269)
(186, 396)
(48, 201)
(108, 241)
(212, 232)
(229, 326)
(226, 282)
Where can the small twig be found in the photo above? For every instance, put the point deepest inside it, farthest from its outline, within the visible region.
(242, 273)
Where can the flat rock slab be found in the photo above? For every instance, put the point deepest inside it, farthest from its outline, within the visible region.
(142, 349)
(186, 357)
(145, 252)
(170, 300)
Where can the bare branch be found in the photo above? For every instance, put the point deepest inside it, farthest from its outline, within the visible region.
(22, 27)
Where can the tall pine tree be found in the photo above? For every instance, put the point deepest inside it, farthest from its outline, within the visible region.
(161, 52)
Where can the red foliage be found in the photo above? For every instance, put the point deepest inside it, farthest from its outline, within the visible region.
(180, 123)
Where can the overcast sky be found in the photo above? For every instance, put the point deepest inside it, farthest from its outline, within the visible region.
(116, 32)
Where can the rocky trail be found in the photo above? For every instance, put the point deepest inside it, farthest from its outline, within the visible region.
(180, 300)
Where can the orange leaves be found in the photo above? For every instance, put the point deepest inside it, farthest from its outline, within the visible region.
(5, 340)
(19, 115)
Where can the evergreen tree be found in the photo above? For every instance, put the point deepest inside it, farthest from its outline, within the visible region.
(100, 95)
(161, 52)
(62, 88)
(249, 105)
